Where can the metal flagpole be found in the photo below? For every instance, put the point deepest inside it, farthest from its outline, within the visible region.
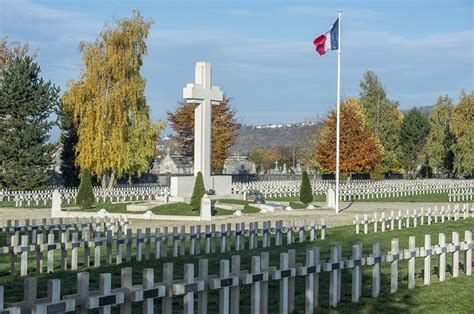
(338, 109)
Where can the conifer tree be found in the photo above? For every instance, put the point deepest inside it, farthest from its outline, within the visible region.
(306, 192)
(85, 195)
(198, 192)
(26, 103)
(413, 135)
(70, 171)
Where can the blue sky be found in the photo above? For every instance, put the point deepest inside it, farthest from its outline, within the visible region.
(262, 52)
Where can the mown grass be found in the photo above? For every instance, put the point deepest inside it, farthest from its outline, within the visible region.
(451, 296)
(249, 209)
(433, 197)
(7, 204)
(178, 209)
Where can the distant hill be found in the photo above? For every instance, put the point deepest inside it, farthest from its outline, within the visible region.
(267, 136)
(286, 135)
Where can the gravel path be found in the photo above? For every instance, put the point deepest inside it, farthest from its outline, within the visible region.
(330, 217)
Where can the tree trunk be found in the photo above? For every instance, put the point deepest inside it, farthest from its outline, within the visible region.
(103, 181)
(111, 180)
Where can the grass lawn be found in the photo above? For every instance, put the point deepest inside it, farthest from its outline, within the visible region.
(6, 204)
(316, 198)
(435, 197)
(451, 296)
(181, 209)
(249, 209)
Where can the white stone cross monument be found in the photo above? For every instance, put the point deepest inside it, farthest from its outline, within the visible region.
(204, 95)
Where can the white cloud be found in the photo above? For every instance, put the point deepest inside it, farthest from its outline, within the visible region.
(255, 69)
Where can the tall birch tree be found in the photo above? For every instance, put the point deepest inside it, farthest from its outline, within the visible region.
(116, 136)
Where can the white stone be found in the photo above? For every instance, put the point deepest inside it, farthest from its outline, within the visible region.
(183, 186)
(288, 208)
(206, 208)
(331, 198)
(102, 213)
(238, 213)
(56, 204)
(202, 93)
(310, 206)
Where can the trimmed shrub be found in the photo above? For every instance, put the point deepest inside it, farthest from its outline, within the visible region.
(198, 192)
(306, 192)
(85, 196)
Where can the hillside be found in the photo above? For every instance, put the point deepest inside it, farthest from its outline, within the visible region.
(286, 135)
(266, 137)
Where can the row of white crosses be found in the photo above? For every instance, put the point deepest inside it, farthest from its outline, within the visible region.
(407, 219)
(397, 188)
(145, 245)
(358, 189)
(117, 194)
(231, 278)
(461, 194)
(278, 188)
(31, 228)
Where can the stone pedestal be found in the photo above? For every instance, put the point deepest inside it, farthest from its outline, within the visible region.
(183, 186)
(206, 208)
(331, 198)
(56, 204)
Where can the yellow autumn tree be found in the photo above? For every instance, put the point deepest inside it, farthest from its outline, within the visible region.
(108, 105)
(360, 150)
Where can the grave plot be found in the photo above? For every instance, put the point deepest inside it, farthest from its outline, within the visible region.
(305, 278)
(43, 198)
(70, 247)
(436, 190)
(411, 219)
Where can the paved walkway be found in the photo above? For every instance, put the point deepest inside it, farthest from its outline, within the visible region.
(330, 217)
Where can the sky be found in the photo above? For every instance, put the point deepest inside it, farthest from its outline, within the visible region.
(262, 52)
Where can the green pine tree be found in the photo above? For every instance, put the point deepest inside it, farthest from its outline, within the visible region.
(306, 192)
(85, 195)
(198, 192)
(26, 103)
(70, 171)
(384, 119)
(413, 135)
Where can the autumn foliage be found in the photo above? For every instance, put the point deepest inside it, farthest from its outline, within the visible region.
(224, 127)
(360, 150)
(116, 135)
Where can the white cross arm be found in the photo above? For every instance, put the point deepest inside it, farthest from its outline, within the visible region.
(197, 92)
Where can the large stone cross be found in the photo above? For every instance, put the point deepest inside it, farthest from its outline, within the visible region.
(202, 93)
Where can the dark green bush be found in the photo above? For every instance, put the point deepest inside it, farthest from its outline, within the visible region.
(198, 192)
(85, 196)
(306, 192)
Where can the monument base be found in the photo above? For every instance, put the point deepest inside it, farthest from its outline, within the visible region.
(331, 198)
(183, 186)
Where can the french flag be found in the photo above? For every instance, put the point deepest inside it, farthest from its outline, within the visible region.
(329, 40)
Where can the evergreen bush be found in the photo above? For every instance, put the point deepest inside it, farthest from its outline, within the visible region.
(198, 192)
(85, 196)
(306, 192)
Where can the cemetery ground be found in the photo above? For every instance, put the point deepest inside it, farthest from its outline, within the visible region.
(345, 217)
(453, 295)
